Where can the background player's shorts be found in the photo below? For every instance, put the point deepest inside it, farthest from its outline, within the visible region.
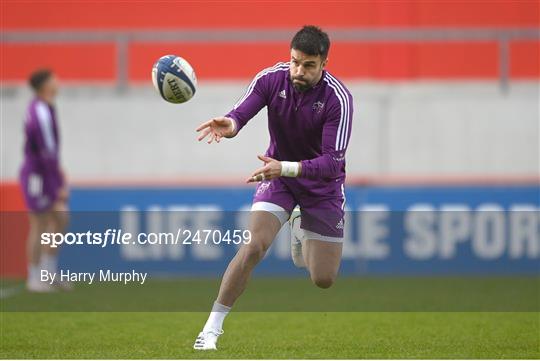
(40, 192)
(322, 218)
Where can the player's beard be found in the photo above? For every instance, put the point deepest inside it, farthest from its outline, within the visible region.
(300, 86)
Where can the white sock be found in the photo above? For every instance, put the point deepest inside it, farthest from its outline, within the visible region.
(215, 320)
(49, 262)
(34, 272)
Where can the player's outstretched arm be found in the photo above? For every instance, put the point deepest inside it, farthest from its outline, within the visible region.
(274, 168)
(217, 128)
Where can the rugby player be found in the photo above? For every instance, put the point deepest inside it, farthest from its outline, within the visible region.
(309, 119)
(42, 180)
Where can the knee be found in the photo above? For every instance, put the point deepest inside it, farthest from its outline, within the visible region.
(38, 224)
(252, 254)
(62, 221)
(323, 280)
(60, 217)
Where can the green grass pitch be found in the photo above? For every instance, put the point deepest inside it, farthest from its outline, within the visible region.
(272, 331)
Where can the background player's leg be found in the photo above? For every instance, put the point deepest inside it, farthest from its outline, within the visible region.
(60, 216)
(264, 227)
(58, 223)
(38, 225)
(322, 260)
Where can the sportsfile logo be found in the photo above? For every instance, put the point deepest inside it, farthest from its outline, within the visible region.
(182, 236)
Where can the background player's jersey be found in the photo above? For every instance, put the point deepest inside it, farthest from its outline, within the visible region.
(40, 173)
(313, 127)
(41, 148)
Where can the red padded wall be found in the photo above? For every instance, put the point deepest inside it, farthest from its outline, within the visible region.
(372, 60)
(47, 14)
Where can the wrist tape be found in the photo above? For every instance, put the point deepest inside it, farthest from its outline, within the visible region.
(289, 169)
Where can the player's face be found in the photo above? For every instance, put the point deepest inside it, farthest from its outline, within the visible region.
(305, 70)
(49, 90)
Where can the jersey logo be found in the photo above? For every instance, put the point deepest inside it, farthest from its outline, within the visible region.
(340, 224)
(263, 186)
(282, 94)
(318, 107)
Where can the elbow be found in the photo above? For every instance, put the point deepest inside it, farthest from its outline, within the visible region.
(336, 165)
(325, 167)
(332, 171)
(331, 167)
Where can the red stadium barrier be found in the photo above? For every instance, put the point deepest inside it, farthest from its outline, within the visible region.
(379, 61)
(86, 62)
(99, 15)
(386, 61)
(525, 59)
(211, 61)
(466, 58)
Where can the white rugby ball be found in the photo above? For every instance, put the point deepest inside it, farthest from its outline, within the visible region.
(174, 79)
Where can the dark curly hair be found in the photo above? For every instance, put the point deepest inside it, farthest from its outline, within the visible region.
(311, 40)
(39, 77)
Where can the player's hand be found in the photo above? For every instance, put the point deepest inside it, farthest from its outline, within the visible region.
(215, 129)
(271, 170)
(63, 194)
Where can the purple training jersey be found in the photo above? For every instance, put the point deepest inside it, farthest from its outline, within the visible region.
(313, 127)
(40, 174)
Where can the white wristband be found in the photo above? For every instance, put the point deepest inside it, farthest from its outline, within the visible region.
(289, 169)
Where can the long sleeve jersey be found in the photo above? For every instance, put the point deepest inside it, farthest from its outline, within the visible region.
(312, 127)
(41, 148)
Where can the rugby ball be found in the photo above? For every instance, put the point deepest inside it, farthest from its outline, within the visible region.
(174, 79)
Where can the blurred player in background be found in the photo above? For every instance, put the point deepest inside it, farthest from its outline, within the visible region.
(42, 180)
(309, 118)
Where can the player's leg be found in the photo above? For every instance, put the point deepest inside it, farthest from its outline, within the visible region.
(271, 208)
(38, 222)
(300, 245)
(321, 229)
(38, 204)
(58, 223)
(264, 227)
(322, 259)
(60, 216)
